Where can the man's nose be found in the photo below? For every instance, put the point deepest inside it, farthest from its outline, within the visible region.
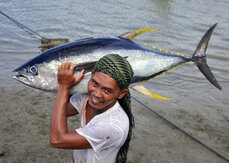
(98, 92)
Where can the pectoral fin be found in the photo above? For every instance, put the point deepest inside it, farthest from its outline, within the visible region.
(130, 35)
(87, 66)
(141, 89)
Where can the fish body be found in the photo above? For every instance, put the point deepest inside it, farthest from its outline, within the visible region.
(41, 71)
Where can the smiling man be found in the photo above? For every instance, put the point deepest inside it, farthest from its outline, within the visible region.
(106, 120)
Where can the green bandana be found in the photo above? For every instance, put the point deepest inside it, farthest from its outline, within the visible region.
(116, 67)
(121, 71)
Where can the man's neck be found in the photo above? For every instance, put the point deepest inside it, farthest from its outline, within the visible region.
(92, 112)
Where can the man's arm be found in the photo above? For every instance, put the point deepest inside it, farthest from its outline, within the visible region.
(59, 135)
(70, 110)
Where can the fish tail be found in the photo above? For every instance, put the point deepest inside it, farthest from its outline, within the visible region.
(199, 57)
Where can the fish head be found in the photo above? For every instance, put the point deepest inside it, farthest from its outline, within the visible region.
(40, 75)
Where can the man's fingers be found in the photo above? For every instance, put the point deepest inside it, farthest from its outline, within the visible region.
(78, 78)
(82, 72)
(66, 66)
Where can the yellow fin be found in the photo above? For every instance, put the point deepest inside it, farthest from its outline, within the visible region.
(130, 35)
(50, 45)
(141, 89)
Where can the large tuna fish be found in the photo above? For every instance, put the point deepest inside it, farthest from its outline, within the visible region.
(41, 71)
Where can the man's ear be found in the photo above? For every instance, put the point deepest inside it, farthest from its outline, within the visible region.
(92, 72)
(122, 93)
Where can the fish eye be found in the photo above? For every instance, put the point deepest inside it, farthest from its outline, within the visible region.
(33, 69)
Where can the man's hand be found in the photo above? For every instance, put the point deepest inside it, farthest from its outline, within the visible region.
(66, 78)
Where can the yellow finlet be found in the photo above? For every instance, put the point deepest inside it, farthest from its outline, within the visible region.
(141, 89)
(146, 45)
(171, 52)
(130, 35)
(160, 49)
(166, 51)
(153, 47)
(163, 73)
(178, 54)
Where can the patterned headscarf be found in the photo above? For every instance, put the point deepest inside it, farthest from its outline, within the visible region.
(121, 71)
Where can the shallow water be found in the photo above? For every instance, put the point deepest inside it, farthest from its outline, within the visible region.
(181, 24)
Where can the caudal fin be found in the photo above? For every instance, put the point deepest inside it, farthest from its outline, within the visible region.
(199, 57)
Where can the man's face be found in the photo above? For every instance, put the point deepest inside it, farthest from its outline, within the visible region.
(103, 91)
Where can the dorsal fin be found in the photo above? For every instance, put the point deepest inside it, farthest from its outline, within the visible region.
(130, 35)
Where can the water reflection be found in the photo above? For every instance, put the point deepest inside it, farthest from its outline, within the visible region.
(162, 8)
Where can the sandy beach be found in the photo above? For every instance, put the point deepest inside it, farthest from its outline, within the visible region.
(25, 116)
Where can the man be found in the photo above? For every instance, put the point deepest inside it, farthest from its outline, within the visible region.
(105, 114)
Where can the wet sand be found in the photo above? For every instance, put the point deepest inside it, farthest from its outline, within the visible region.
(25, 116)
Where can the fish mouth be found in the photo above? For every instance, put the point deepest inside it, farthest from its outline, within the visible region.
(22, 78)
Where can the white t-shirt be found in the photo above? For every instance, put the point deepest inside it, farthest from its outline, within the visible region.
(106, 132)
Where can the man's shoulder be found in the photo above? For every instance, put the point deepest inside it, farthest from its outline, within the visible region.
(118, 111)
(79, 96)
(77, 100)
(116, 116)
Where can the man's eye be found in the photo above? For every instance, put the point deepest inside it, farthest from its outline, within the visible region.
(94, 83)
(107, 91)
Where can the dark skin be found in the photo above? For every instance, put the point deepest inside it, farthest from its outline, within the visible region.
(103, 93)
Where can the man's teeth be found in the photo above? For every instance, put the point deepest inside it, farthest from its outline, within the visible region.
(94, 99)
